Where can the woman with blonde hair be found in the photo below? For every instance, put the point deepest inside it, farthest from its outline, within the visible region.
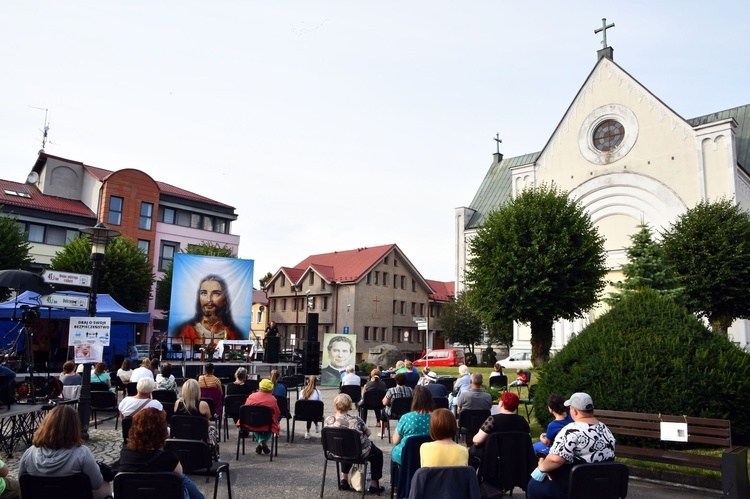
(190, 404)
(310, 392)
(58, 450)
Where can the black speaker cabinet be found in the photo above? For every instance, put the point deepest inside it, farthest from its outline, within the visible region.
(311, 357)
(312, 326)
(272, 350)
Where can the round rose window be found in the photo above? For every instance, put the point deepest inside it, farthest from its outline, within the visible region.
(608, 135)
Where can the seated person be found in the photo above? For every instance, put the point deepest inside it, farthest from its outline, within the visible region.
(520, 380)
(165, 380)
(125, 372)
(497, 371)
(505, 420)
(556, 407)
(145, 451)
(68, 377)
(238, 386)
(415, 422)
(350, 378)
(208, 379)
(412, 375)
(436, 389)
(462, 383)
(141, 400)
(375, 383)
(443, 450)
(264, 397)
(475, 398)
(398, 391)
(142, 372)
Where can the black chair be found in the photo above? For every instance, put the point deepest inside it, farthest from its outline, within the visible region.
(126, 424)
(256, 416)
(283, 403)
(215, 418)
(445, 481)
(508, 460)
(528, 403)
(132, 389)
(120, 386)
(389, 382)
(500, 382)
(470, 421)
(104, 402)
(605, 480)
(399, 407)
(307, 410)
(410, 463)
(167, 399)
(195, 458)
(232, 404)
(371, 401)
(99, 387)
(447, 382)
(78, 486)
(188, 427)
(341, 445)
(254, 385)
(354, 392)
(528, 382)
(151, 485)
(291, 385)
(244, 389)
(441, 402)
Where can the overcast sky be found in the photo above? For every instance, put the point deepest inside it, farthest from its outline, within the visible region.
(333, 125)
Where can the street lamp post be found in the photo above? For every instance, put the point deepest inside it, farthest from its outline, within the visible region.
(99, 236)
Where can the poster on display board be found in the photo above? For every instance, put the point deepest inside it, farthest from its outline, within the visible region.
(88, 354)
(212, 298)
(339, 351)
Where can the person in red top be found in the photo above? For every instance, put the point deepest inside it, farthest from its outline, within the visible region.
(520, 378)
(263, 397)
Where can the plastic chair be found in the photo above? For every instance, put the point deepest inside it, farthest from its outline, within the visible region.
(528, 403)
(149, 485)
(120, 386)
(235, 389)
(195, 458)
(232, 404)
(341, 445)
(167, 399)
(77, 485)
(215, 394)
(132, 389)
(256, 416)
(470, 421)
(399, 407)
(215, 418)
(410, 463)
(126, 424)
(283, 403)
(354, 392)
(605, 480)
(528, 382)
(447, 382)
(444, 481)
(441, 402)
(371, 401)
(104, 402)
(291, 385)
(500, 382)
(99, 387)
(389, 382)
(188, 427)
(514, 460)
(307, 410)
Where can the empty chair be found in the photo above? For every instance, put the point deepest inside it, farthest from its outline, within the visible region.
(606, 480)
(447, 382)
(119, 386)
(441, 402)
(152, 485)
(132, 389)
(508, 460)
(260, 419)
(195, 458)
(71, 392)
(232, 404)
(308, 411)
(188, 428)
(126, 424)
(290, 383)
(283, 403)
(78, 486)
(444, 481)
(470, 421)
(167, 399)
(354, 392)
(399, 407)
(105, 401)
(500, 382)
(215, 418)
(389, 382)
(343, 446)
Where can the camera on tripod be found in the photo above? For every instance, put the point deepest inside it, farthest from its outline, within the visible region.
(29, 314)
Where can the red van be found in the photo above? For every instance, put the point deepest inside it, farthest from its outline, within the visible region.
(449, 357)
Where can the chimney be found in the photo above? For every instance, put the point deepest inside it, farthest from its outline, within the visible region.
(605, 52)
(497, 157)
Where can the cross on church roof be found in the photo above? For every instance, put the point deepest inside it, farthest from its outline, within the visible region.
(603, 30)
(499, 141)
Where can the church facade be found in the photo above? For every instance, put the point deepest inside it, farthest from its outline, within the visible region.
(626, 157)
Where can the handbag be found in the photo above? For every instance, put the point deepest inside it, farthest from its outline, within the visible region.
(357, 478)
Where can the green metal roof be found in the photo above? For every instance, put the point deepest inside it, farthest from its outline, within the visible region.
(741, 115)
(496, 188)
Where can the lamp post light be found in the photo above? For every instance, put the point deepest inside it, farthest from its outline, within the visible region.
(99, 236)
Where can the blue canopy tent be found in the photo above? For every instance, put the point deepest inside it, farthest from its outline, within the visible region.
(123, 320)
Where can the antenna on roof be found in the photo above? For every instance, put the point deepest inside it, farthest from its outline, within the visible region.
(46, 125)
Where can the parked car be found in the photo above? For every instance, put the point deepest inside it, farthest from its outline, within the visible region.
(519, 360)
(442, 357)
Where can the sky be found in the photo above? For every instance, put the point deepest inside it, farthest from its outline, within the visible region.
(335, 125)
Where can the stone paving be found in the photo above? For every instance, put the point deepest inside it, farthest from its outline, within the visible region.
(297, 471)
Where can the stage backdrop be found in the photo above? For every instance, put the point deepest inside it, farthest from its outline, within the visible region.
(189, 271)
(339, 351)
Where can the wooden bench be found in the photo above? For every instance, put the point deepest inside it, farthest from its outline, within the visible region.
(711, 432)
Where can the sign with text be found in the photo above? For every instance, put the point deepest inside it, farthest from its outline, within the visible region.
(69, 278)
(89, 331)
(64, 301)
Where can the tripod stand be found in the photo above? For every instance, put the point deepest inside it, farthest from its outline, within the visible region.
(26, 362)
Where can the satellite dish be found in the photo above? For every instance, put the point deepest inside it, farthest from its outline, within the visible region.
(33, 178)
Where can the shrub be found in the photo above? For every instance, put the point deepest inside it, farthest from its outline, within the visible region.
(471, 358)
(366, 367)
(648, 354)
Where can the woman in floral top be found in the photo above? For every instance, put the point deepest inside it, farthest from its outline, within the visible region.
(165, 380)
(342, 419)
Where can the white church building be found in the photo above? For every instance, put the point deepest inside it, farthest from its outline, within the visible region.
(627, 157)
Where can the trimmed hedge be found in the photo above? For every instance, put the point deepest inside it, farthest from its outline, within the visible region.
(648, 354)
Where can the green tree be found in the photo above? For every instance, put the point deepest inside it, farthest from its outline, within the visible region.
(537, 259)
(460, 324)
(14, 249)
(646, 268)
(263, 280)
(126, 272)
(164, 286)
(709, 247)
